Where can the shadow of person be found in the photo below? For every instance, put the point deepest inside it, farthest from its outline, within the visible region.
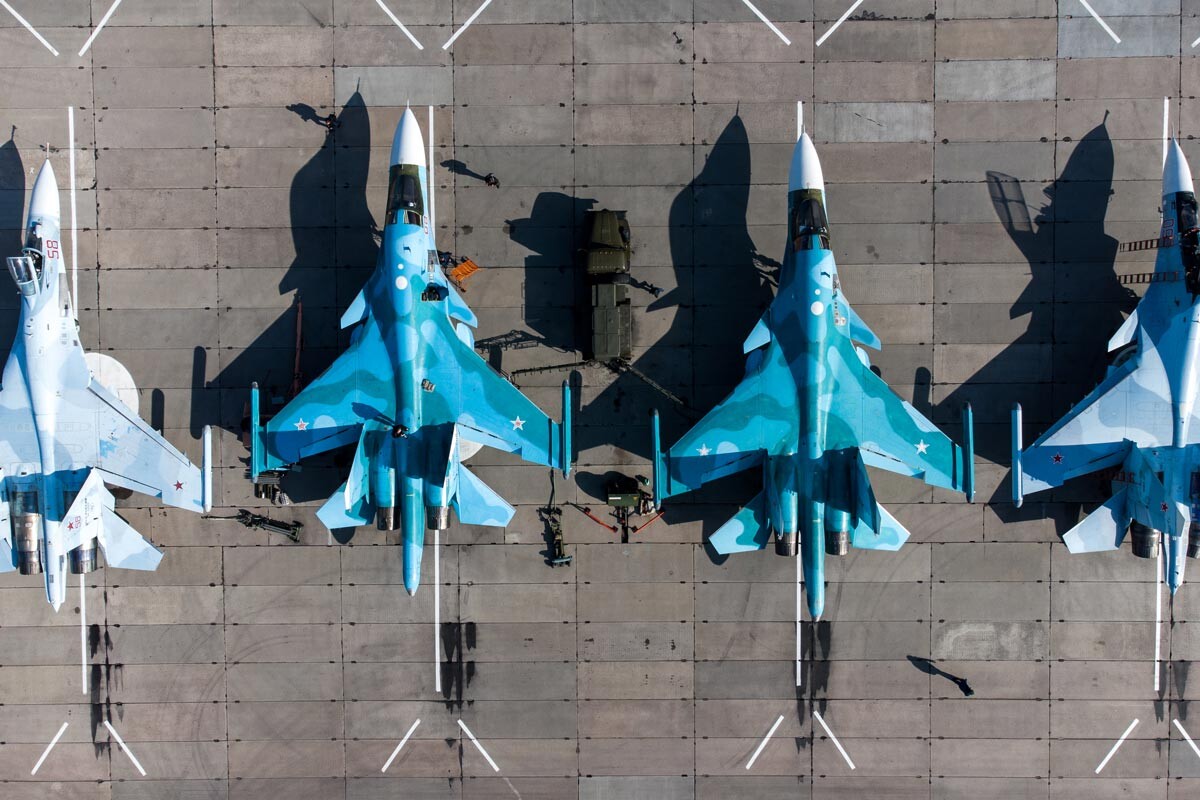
(334, 241)
(1072, 301)
(929, 668)
(460, 168)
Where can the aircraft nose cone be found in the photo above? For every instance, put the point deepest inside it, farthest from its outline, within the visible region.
(408, 146)
(1177, 175)
(805, 172)
(411, 592)
(43, 203)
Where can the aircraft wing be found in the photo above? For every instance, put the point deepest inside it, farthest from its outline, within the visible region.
(487, 408)
(890, 434)
(759, 413)
(330, 411)
(133, 455)
(1131, 406)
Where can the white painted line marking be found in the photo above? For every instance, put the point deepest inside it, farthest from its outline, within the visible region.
(120, 741)
(1187, 738)
(437, 611)
(63, 729)
(478, 746)
(432, 193)
(400, 25)
(799, 119)
(1196, 42)
(400, 746)
(1120, 741)
(466, 24)
(1103, 24)
(74, 262)
(768, 22)
(83, 665)
(834, 739)
(37, 35)
(100, 27)
(763, 743)
(1158, 572)
(841, 19)
(1166, 126)
(799, 621)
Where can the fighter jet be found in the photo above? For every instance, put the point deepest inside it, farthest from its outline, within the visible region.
(410, 391)
(69, 426)
(1142, 422)
(812, 415)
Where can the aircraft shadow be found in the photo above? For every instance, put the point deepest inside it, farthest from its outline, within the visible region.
(334, 240)
(12, 225)
(1074, 299)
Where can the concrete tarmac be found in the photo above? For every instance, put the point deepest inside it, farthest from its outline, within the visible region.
(210, 197)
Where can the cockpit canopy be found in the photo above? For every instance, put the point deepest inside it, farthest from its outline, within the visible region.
(25, 272)
(405, 203)
(807, 219)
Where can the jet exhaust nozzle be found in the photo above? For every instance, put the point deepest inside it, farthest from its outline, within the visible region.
(385, 518)
(837, 543)
(83, 559)
(437, 518)
(26, 530)
(1145, 540)
(787, 544)
(1193, 550)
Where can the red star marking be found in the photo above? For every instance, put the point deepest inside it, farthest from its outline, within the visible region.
(1058, 458)
(1164, 506)
(178, 486)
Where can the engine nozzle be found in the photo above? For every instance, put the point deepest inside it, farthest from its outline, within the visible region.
(787, 544)
(1145, 540)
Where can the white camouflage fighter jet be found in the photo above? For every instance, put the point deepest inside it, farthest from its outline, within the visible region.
(64, 434)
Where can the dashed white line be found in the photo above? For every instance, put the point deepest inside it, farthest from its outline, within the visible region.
(768, 22)
(466, 24)
(758, 750)
(63, 729)
(83, 654)
(1187, 738)
(400, 25)
(1099, 19)
(121, 742)
(1116, 746)
(37, 35)
(400, 746)
(100, 27)
(835, 741)
(841, 19)
(478, 746)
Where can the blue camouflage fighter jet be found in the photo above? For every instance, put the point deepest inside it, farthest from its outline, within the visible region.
(410, 392)
(1142, 422)
(69, 426)
(812, 415)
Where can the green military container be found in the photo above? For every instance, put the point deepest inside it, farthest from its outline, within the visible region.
(608, 254)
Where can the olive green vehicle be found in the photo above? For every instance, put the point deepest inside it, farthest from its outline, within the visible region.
(607, 258)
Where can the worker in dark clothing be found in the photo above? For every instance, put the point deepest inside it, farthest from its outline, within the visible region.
(491, 180)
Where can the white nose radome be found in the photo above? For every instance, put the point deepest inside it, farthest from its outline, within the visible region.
(1177, 175)
(43, 204)
(805, 172)
(408, 146)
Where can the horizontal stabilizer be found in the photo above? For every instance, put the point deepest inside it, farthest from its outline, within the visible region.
(476, 503)
(334, 514)
(747, 530)
(83, 519)
(1103, 529)
(760, 336)
(889, 534)
(357, 311)
(123, 546)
